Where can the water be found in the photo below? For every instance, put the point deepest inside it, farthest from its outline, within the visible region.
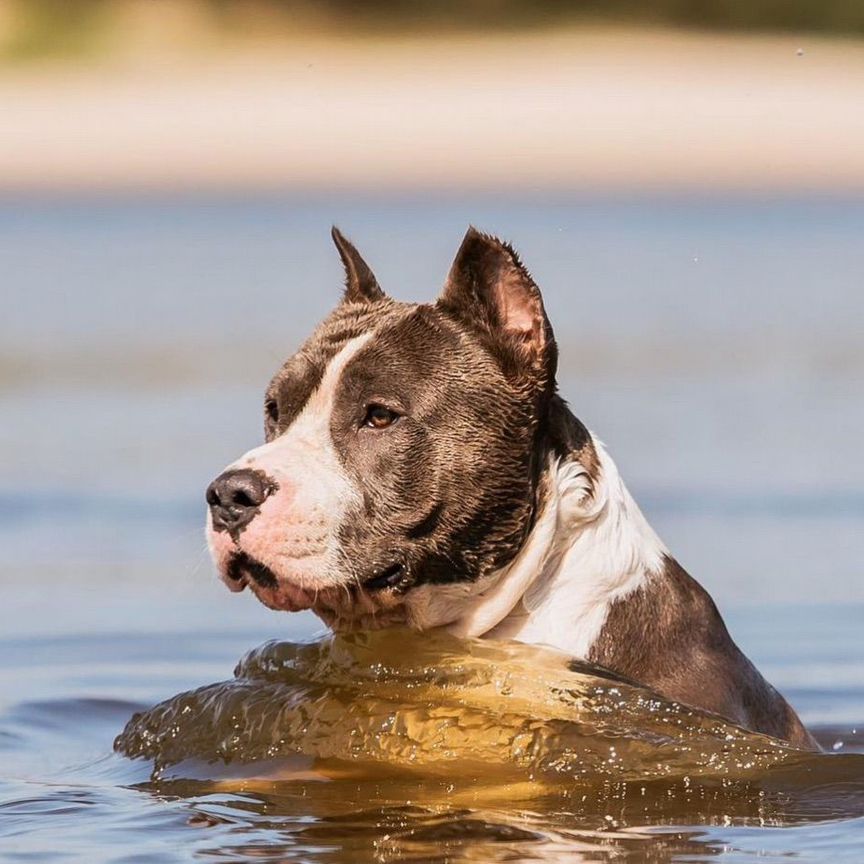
(716, 347)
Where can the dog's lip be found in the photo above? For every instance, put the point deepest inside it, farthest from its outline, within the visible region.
(281, 593)
(235, 583)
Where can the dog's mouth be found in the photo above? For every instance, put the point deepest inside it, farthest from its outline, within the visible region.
(281, 594)
(243, 570)
(242, 567)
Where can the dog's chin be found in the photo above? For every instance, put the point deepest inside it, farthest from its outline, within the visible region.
(341, 605)
(284, 597)
(342, 608)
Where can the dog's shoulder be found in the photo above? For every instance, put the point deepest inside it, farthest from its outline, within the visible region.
(670, 636)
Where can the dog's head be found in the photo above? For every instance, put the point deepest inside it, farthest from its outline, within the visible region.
(401, 449)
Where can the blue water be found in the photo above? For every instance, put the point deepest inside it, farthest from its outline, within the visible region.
(714, 345)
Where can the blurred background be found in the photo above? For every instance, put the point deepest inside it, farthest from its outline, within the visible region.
(685, 179)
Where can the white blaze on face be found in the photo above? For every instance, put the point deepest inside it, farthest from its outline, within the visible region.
(296, 532)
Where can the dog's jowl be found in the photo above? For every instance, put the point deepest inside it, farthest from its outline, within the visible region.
(420, 468)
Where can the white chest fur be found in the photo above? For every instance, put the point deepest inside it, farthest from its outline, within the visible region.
(590, 546)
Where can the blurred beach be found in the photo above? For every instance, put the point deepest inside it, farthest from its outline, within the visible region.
(167, 105)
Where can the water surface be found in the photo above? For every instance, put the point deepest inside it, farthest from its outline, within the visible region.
(714, 344)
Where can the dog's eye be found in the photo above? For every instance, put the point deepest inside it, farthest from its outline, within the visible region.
(271, 407)
(379, 417)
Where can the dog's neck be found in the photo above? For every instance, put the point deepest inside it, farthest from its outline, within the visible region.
(594, 580)
(590, 547)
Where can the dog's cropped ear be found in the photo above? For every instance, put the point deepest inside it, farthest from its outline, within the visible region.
(488, 288)
(361, 286)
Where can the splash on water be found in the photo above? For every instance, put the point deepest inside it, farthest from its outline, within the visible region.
(394, 701)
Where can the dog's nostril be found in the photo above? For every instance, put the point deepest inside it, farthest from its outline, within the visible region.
(242, 499)
(234, 497)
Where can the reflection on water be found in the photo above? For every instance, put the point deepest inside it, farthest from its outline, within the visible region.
(398, 743)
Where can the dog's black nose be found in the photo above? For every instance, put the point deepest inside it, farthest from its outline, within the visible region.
(235, 496)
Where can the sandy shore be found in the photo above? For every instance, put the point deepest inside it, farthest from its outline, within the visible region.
(582, 110)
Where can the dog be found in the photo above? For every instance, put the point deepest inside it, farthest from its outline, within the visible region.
(421, 469)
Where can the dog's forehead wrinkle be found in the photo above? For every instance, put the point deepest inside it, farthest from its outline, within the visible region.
(305, 369)
(407, 359)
